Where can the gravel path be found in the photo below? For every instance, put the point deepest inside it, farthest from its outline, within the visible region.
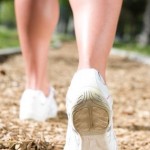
(129, 83)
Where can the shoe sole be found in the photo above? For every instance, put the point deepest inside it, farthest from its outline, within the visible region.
(90, 117)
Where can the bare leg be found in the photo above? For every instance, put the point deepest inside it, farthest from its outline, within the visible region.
(36, 22)
(95, 25)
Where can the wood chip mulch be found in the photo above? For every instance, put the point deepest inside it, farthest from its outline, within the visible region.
(129, 83)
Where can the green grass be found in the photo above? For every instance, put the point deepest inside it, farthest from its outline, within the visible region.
(135, 47)
(8, 38)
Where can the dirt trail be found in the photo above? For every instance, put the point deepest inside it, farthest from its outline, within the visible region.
(129, 83)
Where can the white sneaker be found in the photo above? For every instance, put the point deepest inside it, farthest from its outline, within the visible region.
(89, 109)
(36, 106)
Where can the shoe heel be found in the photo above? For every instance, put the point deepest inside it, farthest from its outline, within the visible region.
(94, 142)
(90, 118)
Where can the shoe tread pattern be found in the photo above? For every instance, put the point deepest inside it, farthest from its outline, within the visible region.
(90, 114)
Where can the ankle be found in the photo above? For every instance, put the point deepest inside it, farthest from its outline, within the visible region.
(44, 88)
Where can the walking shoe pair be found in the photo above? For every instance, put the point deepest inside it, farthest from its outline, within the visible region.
(89, 109)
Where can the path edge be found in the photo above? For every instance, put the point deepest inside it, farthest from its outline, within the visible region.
(9, 51)
(131, 55)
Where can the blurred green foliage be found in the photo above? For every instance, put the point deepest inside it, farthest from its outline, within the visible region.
(131, 19)
(133, 46)
(8, 37)
(64, 2)
(7, 14)
(130, 25)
